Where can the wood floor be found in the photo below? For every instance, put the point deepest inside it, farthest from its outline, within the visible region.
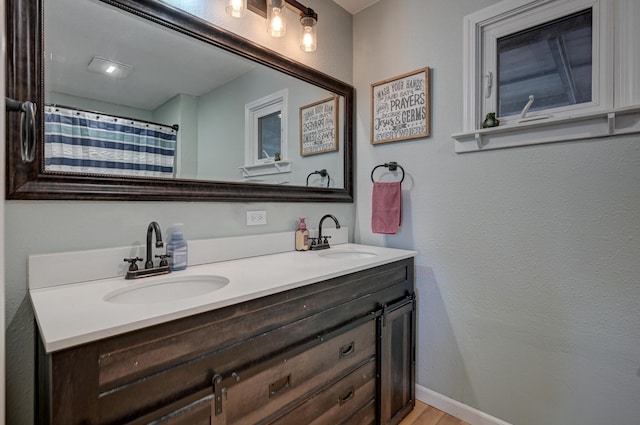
(424, 414)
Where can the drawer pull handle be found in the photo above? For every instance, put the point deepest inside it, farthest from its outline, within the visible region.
(347, 395)
(347, 349)
(279, 386)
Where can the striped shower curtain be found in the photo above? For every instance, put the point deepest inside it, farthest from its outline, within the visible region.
(87, 142)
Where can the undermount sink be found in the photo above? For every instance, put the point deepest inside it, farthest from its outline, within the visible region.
(345, 254)
(166, 289)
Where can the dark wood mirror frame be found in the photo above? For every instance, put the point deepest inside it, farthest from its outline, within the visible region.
(25, 82)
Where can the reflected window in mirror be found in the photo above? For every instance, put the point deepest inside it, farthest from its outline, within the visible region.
(266, 130)
(270, 136)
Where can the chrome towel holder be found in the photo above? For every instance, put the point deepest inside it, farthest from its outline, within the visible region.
(392, 166)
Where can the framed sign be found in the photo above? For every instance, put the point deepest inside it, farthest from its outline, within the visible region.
(318, 127)
(401, 107)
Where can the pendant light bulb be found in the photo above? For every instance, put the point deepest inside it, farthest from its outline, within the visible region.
(277, 24)
(308, 35)
(236, 8)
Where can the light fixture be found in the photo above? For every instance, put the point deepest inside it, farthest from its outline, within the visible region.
(109, 67)
(236, 8)
(276, 20)
(308, 34)
(274, 11)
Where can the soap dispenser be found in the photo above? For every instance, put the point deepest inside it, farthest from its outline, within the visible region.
(302, 236)
(177, 249)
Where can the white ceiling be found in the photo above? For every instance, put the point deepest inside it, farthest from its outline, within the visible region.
(355, 6)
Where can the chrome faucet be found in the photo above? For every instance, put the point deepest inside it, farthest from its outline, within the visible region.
(322, 242)
(149, 268)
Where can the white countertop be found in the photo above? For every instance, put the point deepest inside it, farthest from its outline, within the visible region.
(77, 313)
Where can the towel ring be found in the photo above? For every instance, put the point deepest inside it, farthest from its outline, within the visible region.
(392, 166)
(323, 173)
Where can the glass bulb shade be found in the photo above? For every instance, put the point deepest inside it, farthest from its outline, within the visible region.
(276, 21)
(308, 34)
(236, 8)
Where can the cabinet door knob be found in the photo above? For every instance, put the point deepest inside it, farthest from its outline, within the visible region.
(347, 349)
(347, 395)
(279, 386)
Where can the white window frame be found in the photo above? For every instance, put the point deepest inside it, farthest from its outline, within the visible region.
(253, 164)
(586, 120)
(601, 53)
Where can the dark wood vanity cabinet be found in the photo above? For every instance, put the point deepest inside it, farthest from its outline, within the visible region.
(340, 351)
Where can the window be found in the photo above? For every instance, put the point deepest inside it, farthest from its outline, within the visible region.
(546, 69)
(551, 61)
(266, 136)
(546, 49)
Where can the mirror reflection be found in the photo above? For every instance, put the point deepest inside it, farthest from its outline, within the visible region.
(127, 97)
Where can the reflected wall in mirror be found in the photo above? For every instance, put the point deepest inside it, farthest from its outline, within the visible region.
(144, 101)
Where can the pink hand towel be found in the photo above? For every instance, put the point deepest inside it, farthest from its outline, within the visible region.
(386, 213)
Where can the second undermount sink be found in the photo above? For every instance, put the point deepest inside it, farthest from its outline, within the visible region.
(166, 289)
(346, 254)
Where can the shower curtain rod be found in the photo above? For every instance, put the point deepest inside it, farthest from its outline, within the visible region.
(55, 105)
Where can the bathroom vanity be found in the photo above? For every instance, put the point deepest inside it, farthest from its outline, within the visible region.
(332, 343)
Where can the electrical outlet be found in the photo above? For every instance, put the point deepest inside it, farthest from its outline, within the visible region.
(256, 218)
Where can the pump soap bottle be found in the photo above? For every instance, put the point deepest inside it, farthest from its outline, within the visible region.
(177, 249)
(302, 236)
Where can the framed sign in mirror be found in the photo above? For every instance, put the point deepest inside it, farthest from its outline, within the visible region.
(400, 107)
(318, 127)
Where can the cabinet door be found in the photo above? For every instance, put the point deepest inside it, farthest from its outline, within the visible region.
(397, 361)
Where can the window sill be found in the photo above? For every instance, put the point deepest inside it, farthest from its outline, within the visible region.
(578, 127)
(276, 167)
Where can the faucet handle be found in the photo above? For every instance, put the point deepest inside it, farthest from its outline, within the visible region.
(132, 263)
(163, 259)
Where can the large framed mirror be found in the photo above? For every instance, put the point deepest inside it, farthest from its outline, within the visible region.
(192, 112)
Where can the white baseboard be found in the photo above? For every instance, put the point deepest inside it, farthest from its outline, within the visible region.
(455, 408)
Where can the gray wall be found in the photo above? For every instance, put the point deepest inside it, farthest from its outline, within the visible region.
(37, 227)
(182, 110)
(528, 269)
(221, 123)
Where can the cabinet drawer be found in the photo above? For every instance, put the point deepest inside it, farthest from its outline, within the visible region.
(365, 416)
(281, 385)
(341, 400)
(196, 409)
